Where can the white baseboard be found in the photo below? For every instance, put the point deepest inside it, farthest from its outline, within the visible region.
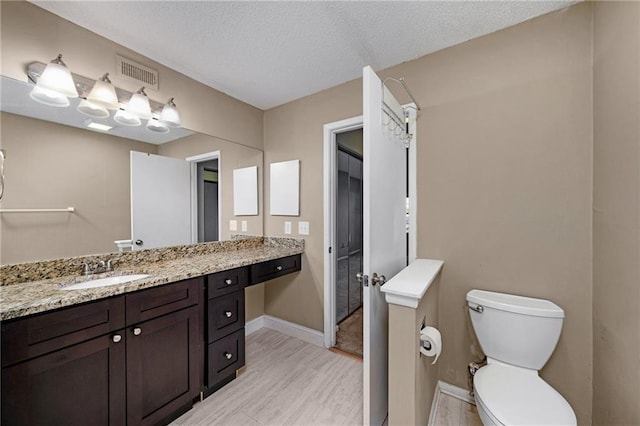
(456, 392)
(254, 325)
(285, 327)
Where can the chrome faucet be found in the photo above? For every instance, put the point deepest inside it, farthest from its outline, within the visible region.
(98, 268)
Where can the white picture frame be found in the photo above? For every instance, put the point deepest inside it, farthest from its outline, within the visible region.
(245, 191)
(284, 184)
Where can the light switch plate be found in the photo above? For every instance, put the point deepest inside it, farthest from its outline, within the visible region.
(303, 228)
(233, 225)
(244, 226)
(287, 228)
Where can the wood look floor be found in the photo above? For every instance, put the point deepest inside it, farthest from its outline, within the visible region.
(285, 382)
(290, 382)
(453, 411)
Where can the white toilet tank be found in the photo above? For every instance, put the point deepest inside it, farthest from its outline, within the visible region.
(516, 330)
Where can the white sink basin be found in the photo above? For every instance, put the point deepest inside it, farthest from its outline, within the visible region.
(103, 282)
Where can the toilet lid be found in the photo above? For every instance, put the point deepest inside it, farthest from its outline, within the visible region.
(516, 396)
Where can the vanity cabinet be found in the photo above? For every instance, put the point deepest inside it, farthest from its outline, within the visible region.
(163, 347)
(225, 327)
(139, 358)
(131, 359)
(65, 367)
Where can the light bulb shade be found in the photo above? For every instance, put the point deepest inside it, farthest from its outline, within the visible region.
(156, 126)
(104, 94)
(139, 106)
(57, 77)
(92, 110)
(49, 97)
(170, 115)
(126, 119)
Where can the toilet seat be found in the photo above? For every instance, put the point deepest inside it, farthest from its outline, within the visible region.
(518, 396)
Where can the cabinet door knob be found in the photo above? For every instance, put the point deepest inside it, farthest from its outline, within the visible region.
(137, 331)
(228, 281)
(116, 338)
(229, 314)
(279, 268)
(228, 355)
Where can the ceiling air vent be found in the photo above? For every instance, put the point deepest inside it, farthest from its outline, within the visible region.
(138, 72)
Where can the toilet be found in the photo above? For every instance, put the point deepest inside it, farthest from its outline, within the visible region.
(518, 334)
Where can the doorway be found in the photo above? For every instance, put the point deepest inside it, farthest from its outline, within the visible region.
(206, 206)
(207, 175)
(349, 229)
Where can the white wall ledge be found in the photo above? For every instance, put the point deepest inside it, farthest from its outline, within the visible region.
(409, 285)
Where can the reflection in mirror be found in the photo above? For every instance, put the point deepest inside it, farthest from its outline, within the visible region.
(54, 166)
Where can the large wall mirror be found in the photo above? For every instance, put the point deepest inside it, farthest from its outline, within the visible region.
(52, 166)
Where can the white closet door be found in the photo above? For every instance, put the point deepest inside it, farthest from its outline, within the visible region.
(160, 201)
(384, 196)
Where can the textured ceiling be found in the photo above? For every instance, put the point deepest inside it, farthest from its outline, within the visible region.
(268, 53)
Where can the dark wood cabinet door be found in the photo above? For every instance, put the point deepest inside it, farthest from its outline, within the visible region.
(78, 385)
(162, 366)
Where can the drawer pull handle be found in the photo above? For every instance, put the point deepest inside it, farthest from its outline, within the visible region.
(137, 331)
(116, 338)
(228, 281)
(228, 314)
(228, 355)
(279, 268)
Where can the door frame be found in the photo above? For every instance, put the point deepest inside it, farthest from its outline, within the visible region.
(194, 160)
(330, 131)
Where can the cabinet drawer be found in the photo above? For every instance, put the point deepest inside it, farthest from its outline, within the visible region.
(29, 337)
(147, 304)
(225, 315)
(275, 268)
(225, 356)
(226, 282)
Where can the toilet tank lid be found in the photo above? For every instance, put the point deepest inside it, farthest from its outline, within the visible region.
(518, 304)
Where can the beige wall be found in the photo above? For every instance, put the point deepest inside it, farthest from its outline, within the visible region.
(294, 131)
(54, 166)
(232, 156)
(29, 33)
(411, 387)
(504, 183)
(616, 217)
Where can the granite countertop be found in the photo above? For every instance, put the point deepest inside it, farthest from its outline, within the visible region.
(30, 297)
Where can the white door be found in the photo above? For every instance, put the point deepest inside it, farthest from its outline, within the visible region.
(384, 196)
(160, 201)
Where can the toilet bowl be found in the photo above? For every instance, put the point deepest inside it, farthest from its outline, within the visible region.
(518, 335)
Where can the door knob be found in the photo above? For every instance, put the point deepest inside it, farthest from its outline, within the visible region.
(139, 242)
(380, 280)
(362, 278)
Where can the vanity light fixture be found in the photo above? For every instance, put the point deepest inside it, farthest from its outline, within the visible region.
(55, 86)
(139, 105)
(169, 115)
